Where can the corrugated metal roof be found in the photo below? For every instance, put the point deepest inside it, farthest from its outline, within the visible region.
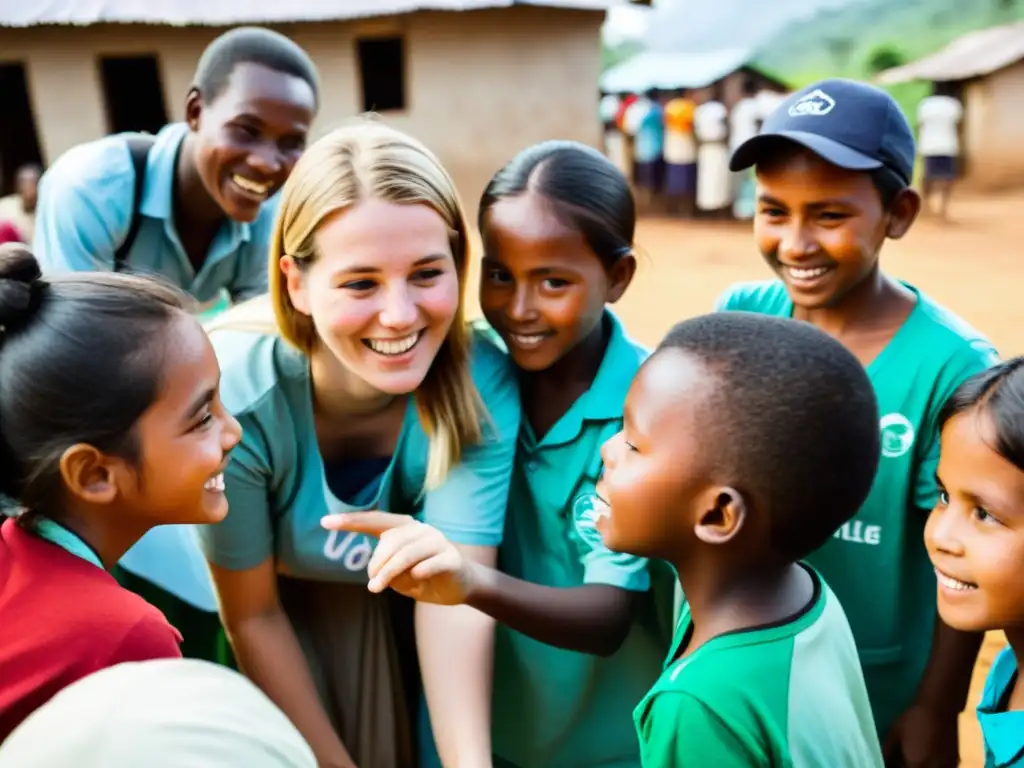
(228, 12)
(665, 70)
(976, 54)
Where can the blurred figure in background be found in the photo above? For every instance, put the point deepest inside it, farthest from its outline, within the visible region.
(744, 122)
(18, 210)
(680, 154)
(938, 120)
(645, 122)
(714, 193)
(627, 139)
(614, 143)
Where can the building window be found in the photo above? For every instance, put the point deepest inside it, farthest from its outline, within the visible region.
(19, 139)
(382, 70)
(133, 93)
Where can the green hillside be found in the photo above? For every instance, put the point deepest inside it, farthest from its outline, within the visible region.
(866, 36)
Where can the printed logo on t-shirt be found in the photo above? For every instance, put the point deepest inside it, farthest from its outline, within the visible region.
(857, 532)
(897, 435)
(816, 103)
(586, 510)
(351, 549)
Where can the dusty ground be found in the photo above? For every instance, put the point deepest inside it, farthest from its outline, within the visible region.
(968, 265)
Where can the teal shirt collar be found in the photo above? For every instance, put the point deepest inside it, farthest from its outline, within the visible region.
(55, 533)
(604, 399)
(1003, 731)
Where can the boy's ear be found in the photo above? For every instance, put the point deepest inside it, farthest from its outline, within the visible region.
(903, 213)
(723, 518)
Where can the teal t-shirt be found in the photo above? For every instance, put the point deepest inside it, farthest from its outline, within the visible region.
(1002, 731)
(278, 489)
(877, 563)
(555, 708)
(788, 695)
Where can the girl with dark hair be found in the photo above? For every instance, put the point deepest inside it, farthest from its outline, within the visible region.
(110, 425)
(581, 636)
(975, 538)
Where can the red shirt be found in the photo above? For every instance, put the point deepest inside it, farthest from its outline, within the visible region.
(9, 233)
(64, 618)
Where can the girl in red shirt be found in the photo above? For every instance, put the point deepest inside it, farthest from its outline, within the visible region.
(110, 424)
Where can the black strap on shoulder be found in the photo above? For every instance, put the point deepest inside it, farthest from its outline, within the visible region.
(138, 148)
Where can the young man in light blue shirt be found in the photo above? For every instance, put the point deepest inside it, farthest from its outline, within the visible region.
(193, 204)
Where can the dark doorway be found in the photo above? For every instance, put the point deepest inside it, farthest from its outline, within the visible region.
(19, 141)
(133, 93)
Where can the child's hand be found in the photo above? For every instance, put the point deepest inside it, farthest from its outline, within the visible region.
(923, 738)
(412, 558)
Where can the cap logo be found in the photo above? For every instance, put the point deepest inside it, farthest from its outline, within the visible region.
(816, 103)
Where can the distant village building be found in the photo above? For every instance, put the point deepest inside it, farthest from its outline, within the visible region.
(985, 71)
(724, 75)
(476, 82)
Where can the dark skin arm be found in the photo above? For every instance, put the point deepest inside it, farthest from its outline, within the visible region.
(947, 678)
(594, 618)
(417, 561)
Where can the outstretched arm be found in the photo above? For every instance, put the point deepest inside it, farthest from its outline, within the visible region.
(416, 560)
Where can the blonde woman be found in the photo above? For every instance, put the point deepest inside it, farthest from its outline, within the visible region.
(360, 386)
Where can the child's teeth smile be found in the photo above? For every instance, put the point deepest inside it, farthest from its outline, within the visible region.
(215, 483)
(953, 584)
(527, 342)
(804, 274)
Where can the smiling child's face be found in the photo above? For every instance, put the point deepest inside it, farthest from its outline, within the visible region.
(655, 479)
(975, 534)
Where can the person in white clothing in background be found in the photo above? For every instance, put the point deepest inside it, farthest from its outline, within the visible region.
(680, 154)
(714, 182)
(938, 119)
(614, 142)
(744, 121)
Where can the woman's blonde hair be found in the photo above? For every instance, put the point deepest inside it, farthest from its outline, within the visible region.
(361, 160)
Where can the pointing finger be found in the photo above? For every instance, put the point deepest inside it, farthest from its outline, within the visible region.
(371, 523)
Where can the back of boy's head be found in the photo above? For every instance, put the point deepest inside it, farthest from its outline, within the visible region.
(847, 123)
(999, 393)
(790, 421)
(583, 187)
(251, 45)
(81, 359)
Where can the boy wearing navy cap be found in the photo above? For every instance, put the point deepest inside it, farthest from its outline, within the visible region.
(834, 164)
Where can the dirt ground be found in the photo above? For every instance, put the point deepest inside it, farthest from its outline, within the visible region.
(967, 264)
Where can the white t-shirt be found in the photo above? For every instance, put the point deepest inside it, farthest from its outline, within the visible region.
(634, 116)
(743, 121)
(768, 102)
(680, 148)
(938, 118)
(608, 108)
(709, 122)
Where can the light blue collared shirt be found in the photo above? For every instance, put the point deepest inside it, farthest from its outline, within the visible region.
(85, 210)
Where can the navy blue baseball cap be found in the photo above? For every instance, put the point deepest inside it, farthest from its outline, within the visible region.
(845, 122)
